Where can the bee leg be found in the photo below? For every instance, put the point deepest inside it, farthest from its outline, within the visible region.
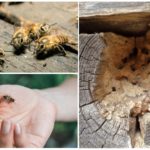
(62, 50)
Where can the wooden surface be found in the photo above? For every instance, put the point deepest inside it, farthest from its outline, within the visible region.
(117, 129)
(107, 121)
(95, 131)
(123, 18)
(62, 13)
(111, 8)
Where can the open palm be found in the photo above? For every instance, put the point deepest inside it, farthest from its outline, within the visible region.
(34, 114)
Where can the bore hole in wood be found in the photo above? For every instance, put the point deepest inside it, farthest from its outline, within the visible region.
(113, 89)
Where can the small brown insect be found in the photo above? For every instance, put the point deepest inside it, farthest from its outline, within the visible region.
(7, 98)
(21, 37)
(24, 35)
(50, 43)
(38, 30)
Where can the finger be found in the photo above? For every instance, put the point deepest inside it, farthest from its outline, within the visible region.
(6, 134)
(20, 139)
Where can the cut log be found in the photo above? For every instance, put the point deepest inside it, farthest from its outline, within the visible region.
(96, 131)
(114, 79)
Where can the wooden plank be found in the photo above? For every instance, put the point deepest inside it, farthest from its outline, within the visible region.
(128, 19)
(112, 8)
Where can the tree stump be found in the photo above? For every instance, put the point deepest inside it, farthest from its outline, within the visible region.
(114, 77)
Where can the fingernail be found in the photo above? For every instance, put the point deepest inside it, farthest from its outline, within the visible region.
(6, 126)
(18, 129)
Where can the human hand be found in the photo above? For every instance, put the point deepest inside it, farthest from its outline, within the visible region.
(26, 122)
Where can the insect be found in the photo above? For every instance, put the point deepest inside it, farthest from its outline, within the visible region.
(21, 38)
(38, 30)
(24, 35)
(7, 98)
(49, 43)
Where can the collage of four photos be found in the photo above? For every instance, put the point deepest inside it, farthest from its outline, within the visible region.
(74, 74)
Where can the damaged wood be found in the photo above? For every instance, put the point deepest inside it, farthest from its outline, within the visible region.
(114, 77)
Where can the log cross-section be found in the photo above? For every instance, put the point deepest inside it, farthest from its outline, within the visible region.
(95, 131)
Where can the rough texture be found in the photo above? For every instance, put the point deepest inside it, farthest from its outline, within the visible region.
(115, 91)
(114, 102)
(95, 130)
(123, 18)
(104, 8)
(63, 13)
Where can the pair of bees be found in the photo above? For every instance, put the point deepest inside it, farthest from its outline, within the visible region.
(6, 98)
(46, 38)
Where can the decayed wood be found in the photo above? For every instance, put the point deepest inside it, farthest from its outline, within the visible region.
(102, 117)
(95, 130)
(114, 75)
(123, 18)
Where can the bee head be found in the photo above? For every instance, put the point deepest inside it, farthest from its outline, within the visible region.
(18, 42)
(44, 28)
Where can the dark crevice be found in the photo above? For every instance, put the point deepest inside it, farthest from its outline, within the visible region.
(134, 129)
(113, 89)
(137, 124)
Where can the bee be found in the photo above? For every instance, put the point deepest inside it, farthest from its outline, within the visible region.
(21, 38)
(50, 43)
(7, 99)
(38, 30)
